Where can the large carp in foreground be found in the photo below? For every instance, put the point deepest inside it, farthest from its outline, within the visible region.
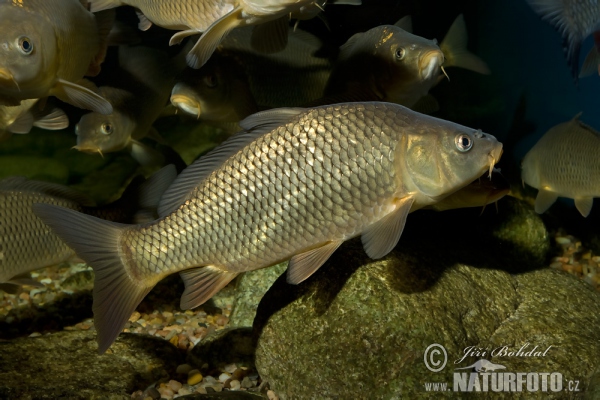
(296, 184)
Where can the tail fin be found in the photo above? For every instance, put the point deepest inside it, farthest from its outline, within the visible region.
(97, 242)
(454, 47)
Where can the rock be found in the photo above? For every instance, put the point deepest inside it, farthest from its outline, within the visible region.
(224, 347)
(236, 395)
(359, 328)
(250, 289)
(67, 365)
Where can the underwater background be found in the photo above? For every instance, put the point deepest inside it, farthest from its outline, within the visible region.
(504, 276)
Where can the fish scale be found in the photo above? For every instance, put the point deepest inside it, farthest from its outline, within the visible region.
(24, 239)
(263, 184)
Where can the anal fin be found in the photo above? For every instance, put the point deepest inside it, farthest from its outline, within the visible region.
(584, 205)
(202, 283)
(544, 200)
(22, 124)
(144, 23)
(381, 237)
(303, 265)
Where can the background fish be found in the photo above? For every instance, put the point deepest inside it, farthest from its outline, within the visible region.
(479, 193)
(388, 63)
(296, 185)
(564, 163)
(26, 243)
(46, 47)
(21, 118)
(218, 93)
(296, 68)
(214, 19)
(574, 19)
(138, 94)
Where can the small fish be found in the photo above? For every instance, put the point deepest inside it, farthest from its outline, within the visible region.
(388, 63)
(26, 242)
(214, 19)
(564, 163)
(138, 95)
(218, 93)
(574, 19)
(20, 119)
(296, 68)
(478, 193)
(296, 184)
(34, 61)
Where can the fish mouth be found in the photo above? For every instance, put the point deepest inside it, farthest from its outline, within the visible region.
(430, 64)
(88, 149)
(186, 104)
(7, 76)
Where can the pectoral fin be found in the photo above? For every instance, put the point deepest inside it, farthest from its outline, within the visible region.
(584, 205)
(270, 37)
(544, 200)
(203, 283)
(382, 236)
(303, 265)
(211, 38)
(81, 97)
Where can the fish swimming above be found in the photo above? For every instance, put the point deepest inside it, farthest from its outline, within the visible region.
(46, 48)
(215, 19)
(295, 68)
(565, 163)
(20, 119)
(26, 243)
(389, 63)
(218, 93)
(295, 184)
(138, 94)
(575, 20)
(478, 193)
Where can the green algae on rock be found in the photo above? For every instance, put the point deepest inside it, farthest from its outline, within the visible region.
(359, 328)
(250, 289)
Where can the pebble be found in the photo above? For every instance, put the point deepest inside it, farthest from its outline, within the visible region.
(184, 369)
(194, 377)
(224, 376)
(271, 395)
(235, 384)
(174, 386)
(166, 392)
(247, 383)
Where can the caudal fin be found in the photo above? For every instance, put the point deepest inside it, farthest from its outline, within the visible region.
(454, 47)
(97, 242)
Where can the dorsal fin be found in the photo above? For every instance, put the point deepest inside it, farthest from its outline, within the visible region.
(256, 125)
(347, 47)
(405, 23)
(52, 189)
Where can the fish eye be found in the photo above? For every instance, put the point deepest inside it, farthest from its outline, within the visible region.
(25, 45)
(400, 53)
(210, 81)
(463, 142)
(107, 128)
